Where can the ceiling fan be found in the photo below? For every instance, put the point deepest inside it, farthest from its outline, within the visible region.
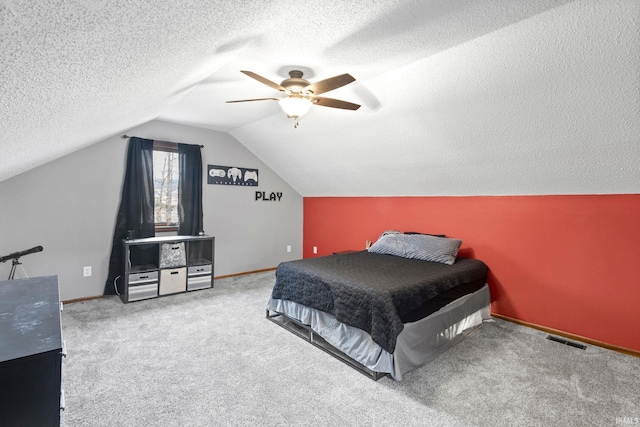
(301, 95)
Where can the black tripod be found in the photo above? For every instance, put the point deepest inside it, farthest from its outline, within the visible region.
(14, 264)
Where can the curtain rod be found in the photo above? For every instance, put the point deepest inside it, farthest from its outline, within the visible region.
(164, 142)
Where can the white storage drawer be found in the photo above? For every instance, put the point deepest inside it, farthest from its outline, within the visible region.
(139, 278)
(173, 280)
(198, 282)
(144, 291)
(199, 270)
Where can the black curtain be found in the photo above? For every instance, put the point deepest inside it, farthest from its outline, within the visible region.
(136, 206)
(190, 190)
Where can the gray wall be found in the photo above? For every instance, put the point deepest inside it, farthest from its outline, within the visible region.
(69, 207)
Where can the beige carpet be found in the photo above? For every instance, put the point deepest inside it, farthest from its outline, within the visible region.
(210, 358)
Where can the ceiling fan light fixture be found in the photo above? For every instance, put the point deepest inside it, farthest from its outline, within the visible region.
(295, 106)
(300, 95)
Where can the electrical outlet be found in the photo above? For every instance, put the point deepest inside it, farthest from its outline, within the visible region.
(288, 248)
(86, 271)
(315, 249)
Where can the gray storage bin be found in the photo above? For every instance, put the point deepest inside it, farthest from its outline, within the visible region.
(172, 255)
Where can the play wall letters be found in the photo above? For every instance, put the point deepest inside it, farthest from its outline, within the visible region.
(271, 197)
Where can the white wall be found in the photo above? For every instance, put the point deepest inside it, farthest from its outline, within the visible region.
(547, 105)
(69, 207)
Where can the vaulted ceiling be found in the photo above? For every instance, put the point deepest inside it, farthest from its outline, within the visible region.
(459, 97)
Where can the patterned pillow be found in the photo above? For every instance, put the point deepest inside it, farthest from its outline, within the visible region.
(387, 232)
(418, 246)
(426, 234)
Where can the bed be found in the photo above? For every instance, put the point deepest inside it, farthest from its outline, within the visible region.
(387, 310)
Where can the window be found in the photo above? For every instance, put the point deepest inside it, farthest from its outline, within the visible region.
(166, 171)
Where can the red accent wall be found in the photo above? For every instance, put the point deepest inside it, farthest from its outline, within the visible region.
(570, 263)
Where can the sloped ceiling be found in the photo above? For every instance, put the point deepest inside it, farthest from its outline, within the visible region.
(459, 97)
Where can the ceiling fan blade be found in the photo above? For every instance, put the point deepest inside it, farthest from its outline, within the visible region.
(329, 84)
(256, 99)
(261, 79)
(335, 103)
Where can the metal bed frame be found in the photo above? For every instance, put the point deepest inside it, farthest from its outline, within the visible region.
(306, 333)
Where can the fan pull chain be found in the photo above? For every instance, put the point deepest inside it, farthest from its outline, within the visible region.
(295, 126)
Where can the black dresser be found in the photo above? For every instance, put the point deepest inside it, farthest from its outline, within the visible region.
(30, 352)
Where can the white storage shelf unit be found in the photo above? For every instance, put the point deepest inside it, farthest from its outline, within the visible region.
(157, 266)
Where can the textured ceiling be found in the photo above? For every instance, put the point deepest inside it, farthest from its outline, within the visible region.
(459, 97)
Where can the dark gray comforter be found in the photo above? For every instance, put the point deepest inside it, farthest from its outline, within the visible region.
(371, 291)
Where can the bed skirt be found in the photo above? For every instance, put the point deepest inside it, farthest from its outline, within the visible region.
(419, 342)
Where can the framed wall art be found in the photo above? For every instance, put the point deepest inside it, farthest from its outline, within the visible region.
(232, 175)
